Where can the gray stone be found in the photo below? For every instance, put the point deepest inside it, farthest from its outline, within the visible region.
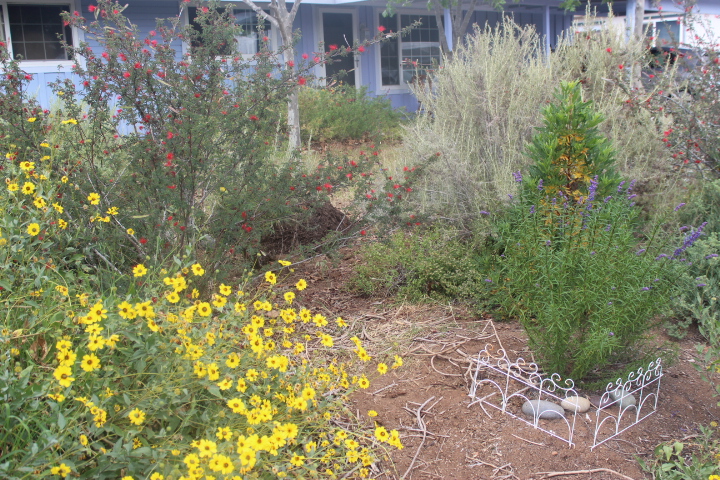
(576, 404)
(624, 397)
(543, 409)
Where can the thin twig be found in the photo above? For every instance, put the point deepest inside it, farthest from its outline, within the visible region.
(384, 388)
(528, 441)
(421, 424)
(581, 472)
(496, 469)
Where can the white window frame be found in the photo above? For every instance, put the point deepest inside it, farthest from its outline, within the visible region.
(73, 6)
(653, 21)
(355, 32)
(185, 20)
(403, 87)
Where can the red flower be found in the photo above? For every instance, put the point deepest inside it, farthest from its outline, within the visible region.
(609, 50)
(92, 8)
(333, 47)
(170, 156)
(172, 187)
(254, 118)
(143, 240)
(305, 56)
(302, 81)
(361, 49)
(138, 65)
(126, 74)
(362, 232)
(381, 29)
(621, 66)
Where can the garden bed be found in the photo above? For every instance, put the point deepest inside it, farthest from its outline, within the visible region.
(464, 442)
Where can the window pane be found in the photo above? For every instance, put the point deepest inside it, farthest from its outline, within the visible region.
(34, 31)
(421, 49)
(389, 58)
(668, 32)
(249, 42)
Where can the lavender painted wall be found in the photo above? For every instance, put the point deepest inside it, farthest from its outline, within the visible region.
(145, 13)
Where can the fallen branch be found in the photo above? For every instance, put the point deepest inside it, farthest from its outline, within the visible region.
(581, 472)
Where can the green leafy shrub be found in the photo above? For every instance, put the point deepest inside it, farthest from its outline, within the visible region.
(343, 112)
(703, 206)
(687, 460)
(570, 266)
(418, 265)
(700, 288)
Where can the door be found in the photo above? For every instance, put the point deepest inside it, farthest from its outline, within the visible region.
(338, 32)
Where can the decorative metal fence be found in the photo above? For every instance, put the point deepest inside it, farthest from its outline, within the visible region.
(511, 386)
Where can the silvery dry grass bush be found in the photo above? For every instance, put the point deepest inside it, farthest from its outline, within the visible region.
(484, 105)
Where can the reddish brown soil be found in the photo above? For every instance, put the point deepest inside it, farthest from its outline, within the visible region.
(465, 443)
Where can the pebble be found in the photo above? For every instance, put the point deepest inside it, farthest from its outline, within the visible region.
(626, 400)
(576, 404)
(547, 410)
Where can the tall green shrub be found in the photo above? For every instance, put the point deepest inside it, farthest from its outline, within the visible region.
(570, 266)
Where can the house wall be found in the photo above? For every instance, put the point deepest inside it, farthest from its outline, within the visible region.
(559, 22)
(309, 22)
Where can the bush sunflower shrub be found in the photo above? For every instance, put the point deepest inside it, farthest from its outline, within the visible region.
(149, 377)
(569, 264)
(159, 381)
(343, 112)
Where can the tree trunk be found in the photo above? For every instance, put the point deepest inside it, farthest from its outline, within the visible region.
(293, 121)
(282, 19)
(638, 34)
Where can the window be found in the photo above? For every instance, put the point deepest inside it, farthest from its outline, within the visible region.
(36, 31)
(415, 53)
(664, 33)
(249, 41)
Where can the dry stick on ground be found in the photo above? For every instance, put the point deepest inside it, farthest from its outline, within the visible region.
(496, 469)
(421, 424)
(581, 472)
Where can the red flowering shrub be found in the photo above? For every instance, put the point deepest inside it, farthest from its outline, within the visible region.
(168, 149)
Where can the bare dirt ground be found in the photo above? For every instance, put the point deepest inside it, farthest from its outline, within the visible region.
(448, 439)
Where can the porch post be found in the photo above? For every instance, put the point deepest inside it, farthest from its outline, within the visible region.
(546, 29)
(448, 27)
